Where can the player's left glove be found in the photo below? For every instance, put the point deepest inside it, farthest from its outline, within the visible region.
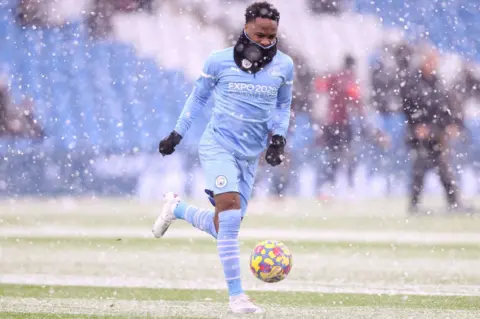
(275, 151)
(167, 145)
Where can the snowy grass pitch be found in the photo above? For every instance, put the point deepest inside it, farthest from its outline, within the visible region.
(97, 259)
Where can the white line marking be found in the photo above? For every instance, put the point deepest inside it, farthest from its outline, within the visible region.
(394, 237)
(208, 283)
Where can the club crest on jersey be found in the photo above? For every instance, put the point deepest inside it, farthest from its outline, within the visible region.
(221, 181)
(246, 64)
(274, 72)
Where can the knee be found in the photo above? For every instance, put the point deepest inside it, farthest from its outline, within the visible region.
(227, 201)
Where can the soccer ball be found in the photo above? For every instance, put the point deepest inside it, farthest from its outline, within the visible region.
(271, 261)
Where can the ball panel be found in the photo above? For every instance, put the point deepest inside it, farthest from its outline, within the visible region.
(268, 261)
(255, 262)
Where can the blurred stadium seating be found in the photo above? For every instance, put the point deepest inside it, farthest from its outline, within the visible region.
(451, 25)
(98, 97)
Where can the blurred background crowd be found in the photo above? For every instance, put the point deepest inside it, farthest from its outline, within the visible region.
(386, 96)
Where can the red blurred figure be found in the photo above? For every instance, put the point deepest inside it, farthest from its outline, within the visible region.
(343, 94)
(343, 97)
(344, 100)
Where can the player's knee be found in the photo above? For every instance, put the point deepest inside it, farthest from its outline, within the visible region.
(227, 201)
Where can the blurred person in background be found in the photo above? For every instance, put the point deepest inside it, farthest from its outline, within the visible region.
(32, 12)
(277, 179)
(134, 5)
(17, 120)
(387, 71)
(432, 124)
(466, 87)
(337, 134)
(472, 79)
(99, 21)
(344, 101)
(465, 95)
(4, 100)
(329, 6)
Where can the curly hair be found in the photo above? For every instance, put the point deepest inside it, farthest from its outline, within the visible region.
(261, 10)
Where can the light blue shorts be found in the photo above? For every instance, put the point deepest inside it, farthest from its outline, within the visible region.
(224, 172)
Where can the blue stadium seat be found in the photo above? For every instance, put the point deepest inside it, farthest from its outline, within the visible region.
(8, 4)
(79, 84)
(147, 83)
(107, 104)
(451, 25)
(56, 67)
(123, 72)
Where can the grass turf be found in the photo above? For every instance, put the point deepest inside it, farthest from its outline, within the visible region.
(296, 299)
(200, 245)
(371, 216)
(14, 315)
(378, 214)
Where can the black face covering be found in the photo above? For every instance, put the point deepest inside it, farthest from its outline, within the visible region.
(250, 56)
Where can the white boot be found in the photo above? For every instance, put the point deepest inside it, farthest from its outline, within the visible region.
(170, 202)
(243, 304)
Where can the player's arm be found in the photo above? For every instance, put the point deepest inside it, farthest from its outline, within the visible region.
(281, 120)
(194, 105)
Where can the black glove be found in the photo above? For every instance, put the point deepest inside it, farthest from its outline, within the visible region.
(167, 145)
(275, 151)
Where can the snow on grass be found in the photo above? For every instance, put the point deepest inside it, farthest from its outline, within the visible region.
(206, 309)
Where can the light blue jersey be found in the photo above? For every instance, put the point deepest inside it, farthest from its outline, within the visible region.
(246, 106)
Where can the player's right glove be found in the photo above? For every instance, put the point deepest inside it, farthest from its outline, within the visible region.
(275, 151)
(167, 145)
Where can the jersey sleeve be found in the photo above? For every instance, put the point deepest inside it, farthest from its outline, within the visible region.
(284, 100)
(199, 96)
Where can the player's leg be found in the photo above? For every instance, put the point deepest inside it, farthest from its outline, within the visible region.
(221, 174)
(419, 169)
(174, 208)
(227, 221)
(197, 217)
(447, 177)
(333, 154)
(248, 171)
(218, 165)
(230, 209)
(349, 154)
